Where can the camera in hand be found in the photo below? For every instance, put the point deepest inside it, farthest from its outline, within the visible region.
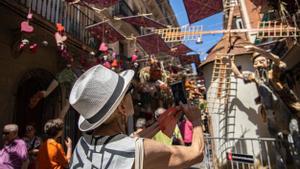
(179, 92)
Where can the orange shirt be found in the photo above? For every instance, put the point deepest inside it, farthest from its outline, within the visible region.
(51, 156)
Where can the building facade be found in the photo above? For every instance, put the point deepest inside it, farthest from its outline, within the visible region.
(24, 72)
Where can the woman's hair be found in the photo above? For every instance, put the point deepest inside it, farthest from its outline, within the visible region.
(53, 126)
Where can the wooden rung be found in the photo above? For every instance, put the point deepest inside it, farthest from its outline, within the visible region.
(218, 77)
(221, 82)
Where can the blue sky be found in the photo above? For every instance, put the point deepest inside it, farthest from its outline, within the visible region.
(214, 22)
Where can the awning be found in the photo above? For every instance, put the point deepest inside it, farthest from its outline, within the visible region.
(105, 32)
(200, 9)
(188, 59)
(153, 44)
(181, 49)
(102, 3)
(144, 21)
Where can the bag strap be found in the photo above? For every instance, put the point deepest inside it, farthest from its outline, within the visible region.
(32, 144)
(139, 153)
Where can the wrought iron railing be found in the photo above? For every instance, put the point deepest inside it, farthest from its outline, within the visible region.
(123, 9)
(246, 153)
(75, 18)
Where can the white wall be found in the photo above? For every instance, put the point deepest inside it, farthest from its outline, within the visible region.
(242, 118)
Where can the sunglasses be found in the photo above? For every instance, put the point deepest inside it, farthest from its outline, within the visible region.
(5, 133)
(29, 128)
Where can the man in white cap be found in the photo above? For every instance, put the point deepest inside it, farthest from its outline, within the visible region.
(102, 99)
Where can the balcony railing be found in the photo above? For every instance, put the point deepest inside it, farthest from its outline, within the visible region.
(74, 18)
(123, 9)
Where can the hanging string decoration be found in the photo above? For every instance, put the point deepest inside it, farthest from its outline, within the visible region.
(27, 30)
(60, 38)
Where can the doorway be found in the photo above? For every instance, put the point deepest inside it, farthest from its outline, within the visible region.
(47, 108)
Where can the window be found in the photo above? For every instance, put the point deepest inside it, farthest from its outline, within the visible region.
(239, 23)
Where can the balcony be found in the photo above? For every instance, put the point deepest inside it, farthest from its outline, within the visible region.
(122, 9)
(74, 18)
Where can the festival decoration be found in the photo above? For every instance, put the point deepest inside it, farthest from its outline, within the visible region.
(26, 30)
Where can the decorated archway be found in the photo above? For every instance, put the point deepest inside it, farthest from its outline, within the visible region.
(31, 82)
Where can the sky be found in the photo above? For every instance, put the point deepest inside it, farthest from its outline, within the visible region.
(214, 22)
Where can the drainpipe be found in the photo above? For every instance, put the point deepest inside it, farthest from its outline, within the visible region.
(245, 18)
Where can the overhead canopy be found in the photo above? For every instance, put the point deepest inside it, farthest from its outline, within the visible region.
(153, 44)
(102, 3)
(188, 59)
(144, 21)
(200, 9)
(105, 32)
(181, 49)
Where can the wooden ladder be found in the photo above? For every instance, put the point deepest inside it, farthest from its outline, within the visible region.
(221, 77)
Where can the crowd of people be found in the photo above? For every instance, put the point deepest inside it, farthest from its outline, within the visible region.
(104, 101)
(33, 152)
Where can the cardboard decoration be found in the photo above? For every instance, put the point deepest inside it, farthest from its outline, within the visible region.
(60, 39)
(134, 58)
(34, 100)
(114, 63)
(168, 120)
(107, 64)
(25, 27)
(103, 47)
(33, 48)
(26, 30)
(60, 27)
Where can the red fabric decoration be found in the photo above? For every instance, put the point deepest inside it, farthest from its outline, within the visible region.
(107, 64)
(134, 58)
(200, 9)
(143, 21)
(105, 32)
(102, 3)
(114, 63)
(181, 49)
(188, 59)
(60, 27)
(33, 48)
(103, 47)
(153, 44)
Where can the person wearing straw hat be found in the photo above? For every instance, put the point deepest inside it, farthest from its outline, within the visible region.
(102, 99)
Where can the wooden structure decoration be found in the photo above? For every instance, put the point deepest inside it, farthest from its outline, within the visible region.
(192, 33)
(221, 76)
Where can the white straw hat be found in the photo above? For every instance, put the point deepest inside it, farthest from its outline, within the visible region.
(97, 93)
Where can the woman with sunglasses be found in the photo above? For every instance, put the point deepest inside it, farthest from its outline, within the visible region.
(33, 143)
(14, 153)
